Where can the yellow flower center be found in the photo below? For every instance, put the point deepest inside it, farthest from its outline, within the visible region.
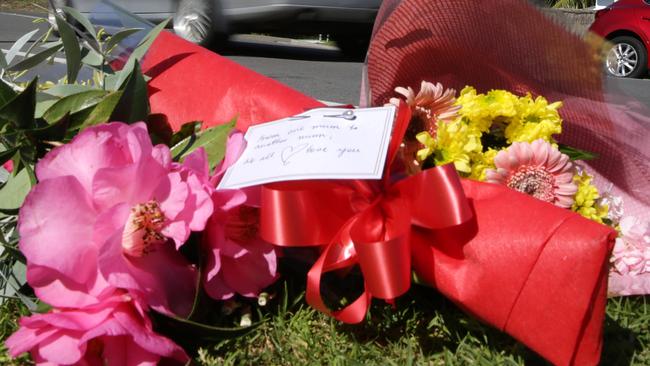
(142, 230)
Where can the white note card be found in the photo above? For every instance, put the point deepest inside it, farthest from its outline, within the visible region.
(324, 143)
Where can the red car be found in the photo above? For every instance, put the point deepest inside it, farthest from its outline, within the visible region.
(626, 25)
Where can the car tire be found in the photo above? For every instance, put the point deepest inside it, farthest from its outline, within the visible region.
(627, 58)
(194, 21)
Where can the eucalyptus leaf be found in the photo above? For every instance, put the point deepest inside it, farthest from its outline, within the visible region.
(35, 60)
(72, 104)
(134, 103)
(72, 48)
(82, 20)
(139, 52)
(18, 45)
(213, 140)
(3, 61)
(187, 129)
(64, 90)
(20, 109)
(13, 193)
(91, 58)
(6, 155)
(6, 93)
(43, 103)
(119, 37)
(102, 111)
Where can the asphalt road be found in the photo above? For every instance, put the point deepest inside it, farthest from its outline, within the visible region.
(314, 69)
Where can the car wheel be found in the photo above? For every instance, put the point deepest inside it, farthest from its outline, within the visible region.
(194, 21)
(627, 58)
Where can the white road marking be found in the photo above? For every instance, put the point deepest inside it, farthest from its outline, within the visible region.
(24, 15)
(23, 54)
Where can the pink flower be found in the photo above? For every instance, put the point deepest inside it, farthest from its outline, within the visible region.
(115, 331)
(537, 169)
(432, 102)
(631, 255)
(110, 211)
(237, 260)
(9, 166)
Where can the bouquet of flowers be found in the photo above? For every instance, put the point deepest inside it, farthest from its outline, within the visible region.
(131, 250)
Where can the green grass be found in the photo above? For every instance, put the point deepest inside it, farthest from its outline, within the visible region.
(424, 329)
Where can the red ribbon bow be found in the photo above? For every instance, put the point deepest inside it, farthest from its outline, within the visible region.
(363, 222)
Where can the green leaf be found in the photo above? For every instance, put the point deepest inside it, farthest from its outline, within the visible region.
(119, 37)
(134, 103)
(102, 111)
(18, 45)
(213, 140)
(43, 103)
(6, 92)
(577, 154)
(73, 104)
(6, 155)
(139, 52)
(91, 58)
(64, 90)
(72, 48)
(82, 20)
(36, 59)
(3, 61)
(20, 110)
(187, 129)
(13, 193)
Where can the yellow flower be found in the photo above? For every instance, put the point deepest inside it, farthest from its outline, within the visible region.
(535, 119)
(429, 143)
(587, 199)
(481, 162)
(456, 143)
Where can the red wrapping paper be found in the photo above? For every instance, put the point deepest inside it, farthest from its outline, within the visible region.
(189, 83)
(527, 267)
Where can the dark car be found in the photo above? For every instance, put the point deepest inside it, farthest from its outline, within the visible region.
(349, 22)
(626, 25)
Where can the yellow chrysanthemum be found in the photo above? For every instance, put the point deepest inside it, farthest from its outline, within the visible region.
(535, 119)
(586, 200)
(456, 143)
(481, 162)
(429, 143)
(482, 110)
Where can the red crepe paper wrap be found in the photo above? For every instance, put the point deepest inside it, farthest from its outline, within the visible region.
(527, 267)
(189, 83)
(509, 44)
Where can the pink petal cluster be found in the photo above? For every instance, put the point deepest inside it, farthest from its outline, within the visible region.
(537, 169)
(116, 331)
(432, 102)
(237, 260)
(109, 212)
(631, 259)
(9, 166)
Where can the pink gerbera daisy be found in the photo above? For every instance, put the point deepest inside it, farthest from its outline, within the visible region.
(432, 103)
(537, 169)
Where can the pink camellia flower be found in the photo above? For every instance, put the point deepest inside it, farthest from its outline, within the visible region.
(115, 331)
(238, 261)
(537, 169)
(630, 272)
(110, 211)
